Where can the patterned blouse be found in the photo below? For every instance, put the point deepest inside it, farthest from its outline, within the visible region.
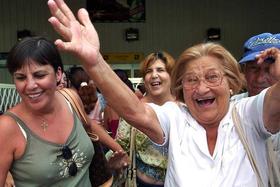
(151, 159)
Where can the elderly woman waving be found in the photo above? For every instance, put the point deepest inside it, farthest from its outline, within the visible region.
(198, 130)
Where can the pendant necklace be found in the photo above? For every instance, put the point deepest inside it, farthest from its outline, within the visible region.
(44, 125)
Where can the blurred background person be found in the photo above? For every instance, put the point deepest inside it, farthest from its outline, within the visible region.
(111, 118)
(151, 160)
(258, 76)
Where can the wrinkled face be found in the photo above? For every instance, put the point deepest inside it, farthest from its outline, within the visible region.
(208, 98)
(258, 77)
(157, 80)
(36, 84)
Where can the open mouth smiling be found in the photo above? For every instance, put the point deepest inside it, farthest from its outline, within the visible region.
(156, 83)
(205, 102)
(34, 95)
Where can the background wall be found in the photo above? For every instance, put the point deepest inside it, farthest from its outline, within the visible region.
(170, 25)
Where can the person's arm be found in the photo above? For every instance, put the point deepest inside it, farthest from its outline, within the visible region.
(104, 137)
(82, 40)
(271, 110)
(7, 147)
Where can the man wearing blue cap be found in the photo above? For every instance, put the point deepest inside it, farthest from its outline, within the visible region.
(258, 76)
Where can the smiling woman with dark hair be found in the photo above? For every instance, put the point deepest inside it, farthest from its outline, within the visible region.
(42, 134)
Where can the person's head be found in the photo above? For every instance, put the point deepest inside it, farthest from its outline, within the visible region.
(63, 83)
(204, 77)
(124, 77)
(80, 80)
(36, 67)
(76, 76)
(141, 88)
(156, 71)
(258, 77)
(88, 95)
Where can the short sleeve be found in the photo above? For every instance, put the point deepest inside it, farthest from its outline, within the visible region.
(164, 114)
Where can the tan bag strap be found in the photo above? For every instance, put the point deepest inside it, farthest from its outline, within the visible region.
(132, 169)
(243, 138)
(71, 96)
(133, 149)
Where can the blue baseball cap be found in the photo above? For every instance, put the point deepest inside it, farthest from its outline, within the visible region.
(254, 45)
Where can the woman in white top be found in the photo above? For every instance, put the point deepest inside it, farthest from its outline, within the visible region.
(204, 147)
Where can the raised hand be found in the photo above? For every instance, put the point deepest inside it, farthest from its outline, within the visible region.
(273, 53)
(80, 36)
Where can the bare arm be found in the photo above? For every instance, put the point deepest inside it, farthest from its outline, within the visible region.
(7, 147)
(105, 138)
(82, 40)
(271, 114)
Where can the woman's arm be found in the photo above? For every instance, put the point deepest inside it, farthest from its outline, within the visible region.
(82, 40)
(271, 110)
(104, 137)
(7, 147)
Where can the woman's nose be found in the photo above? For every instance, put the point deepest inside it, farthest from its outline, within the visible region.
(202, 87)
(30, 83)
(154, 74)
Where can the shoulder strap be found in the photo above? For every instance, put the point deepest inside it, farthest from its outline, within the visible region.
(19, 122)
(72, 97)
(132, 168)
(243, 138)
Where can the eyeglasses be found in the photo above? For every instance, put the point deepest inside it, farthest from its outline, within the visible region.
(67, 155)
(211, 78)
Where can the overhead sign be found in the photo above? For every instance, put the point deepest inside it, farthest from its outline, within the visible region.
(123, 58)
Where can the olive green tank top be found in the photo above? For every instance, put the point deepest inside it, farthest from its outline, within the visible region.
(42, 164)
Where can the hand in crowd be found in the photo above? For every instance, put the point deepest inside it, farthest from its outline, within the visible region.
(80, 35)
(119, 160)
(273, 53)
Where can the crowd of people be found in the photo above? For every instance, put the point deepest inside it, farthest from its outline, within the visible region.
(185, 133)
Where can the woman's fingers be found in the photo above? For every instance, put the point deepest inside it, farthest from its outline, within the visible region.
(84, 18)
(64, 9)
(57, 13)
(60, 28)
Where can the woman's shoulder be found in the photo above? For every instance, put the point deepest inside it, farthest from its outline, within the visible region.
(8, 129)
(6, 122)
(5, 118)
(167, 104)
(175, 106)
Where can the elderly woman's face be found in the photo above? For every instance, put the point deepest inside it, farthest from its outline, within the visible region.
(206, 90)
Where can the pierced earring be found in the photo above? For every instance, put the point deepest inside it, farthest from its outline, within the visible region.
(230, 92)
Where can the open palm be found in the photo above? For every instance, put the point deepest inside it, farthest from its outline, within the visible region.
(80, 36)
